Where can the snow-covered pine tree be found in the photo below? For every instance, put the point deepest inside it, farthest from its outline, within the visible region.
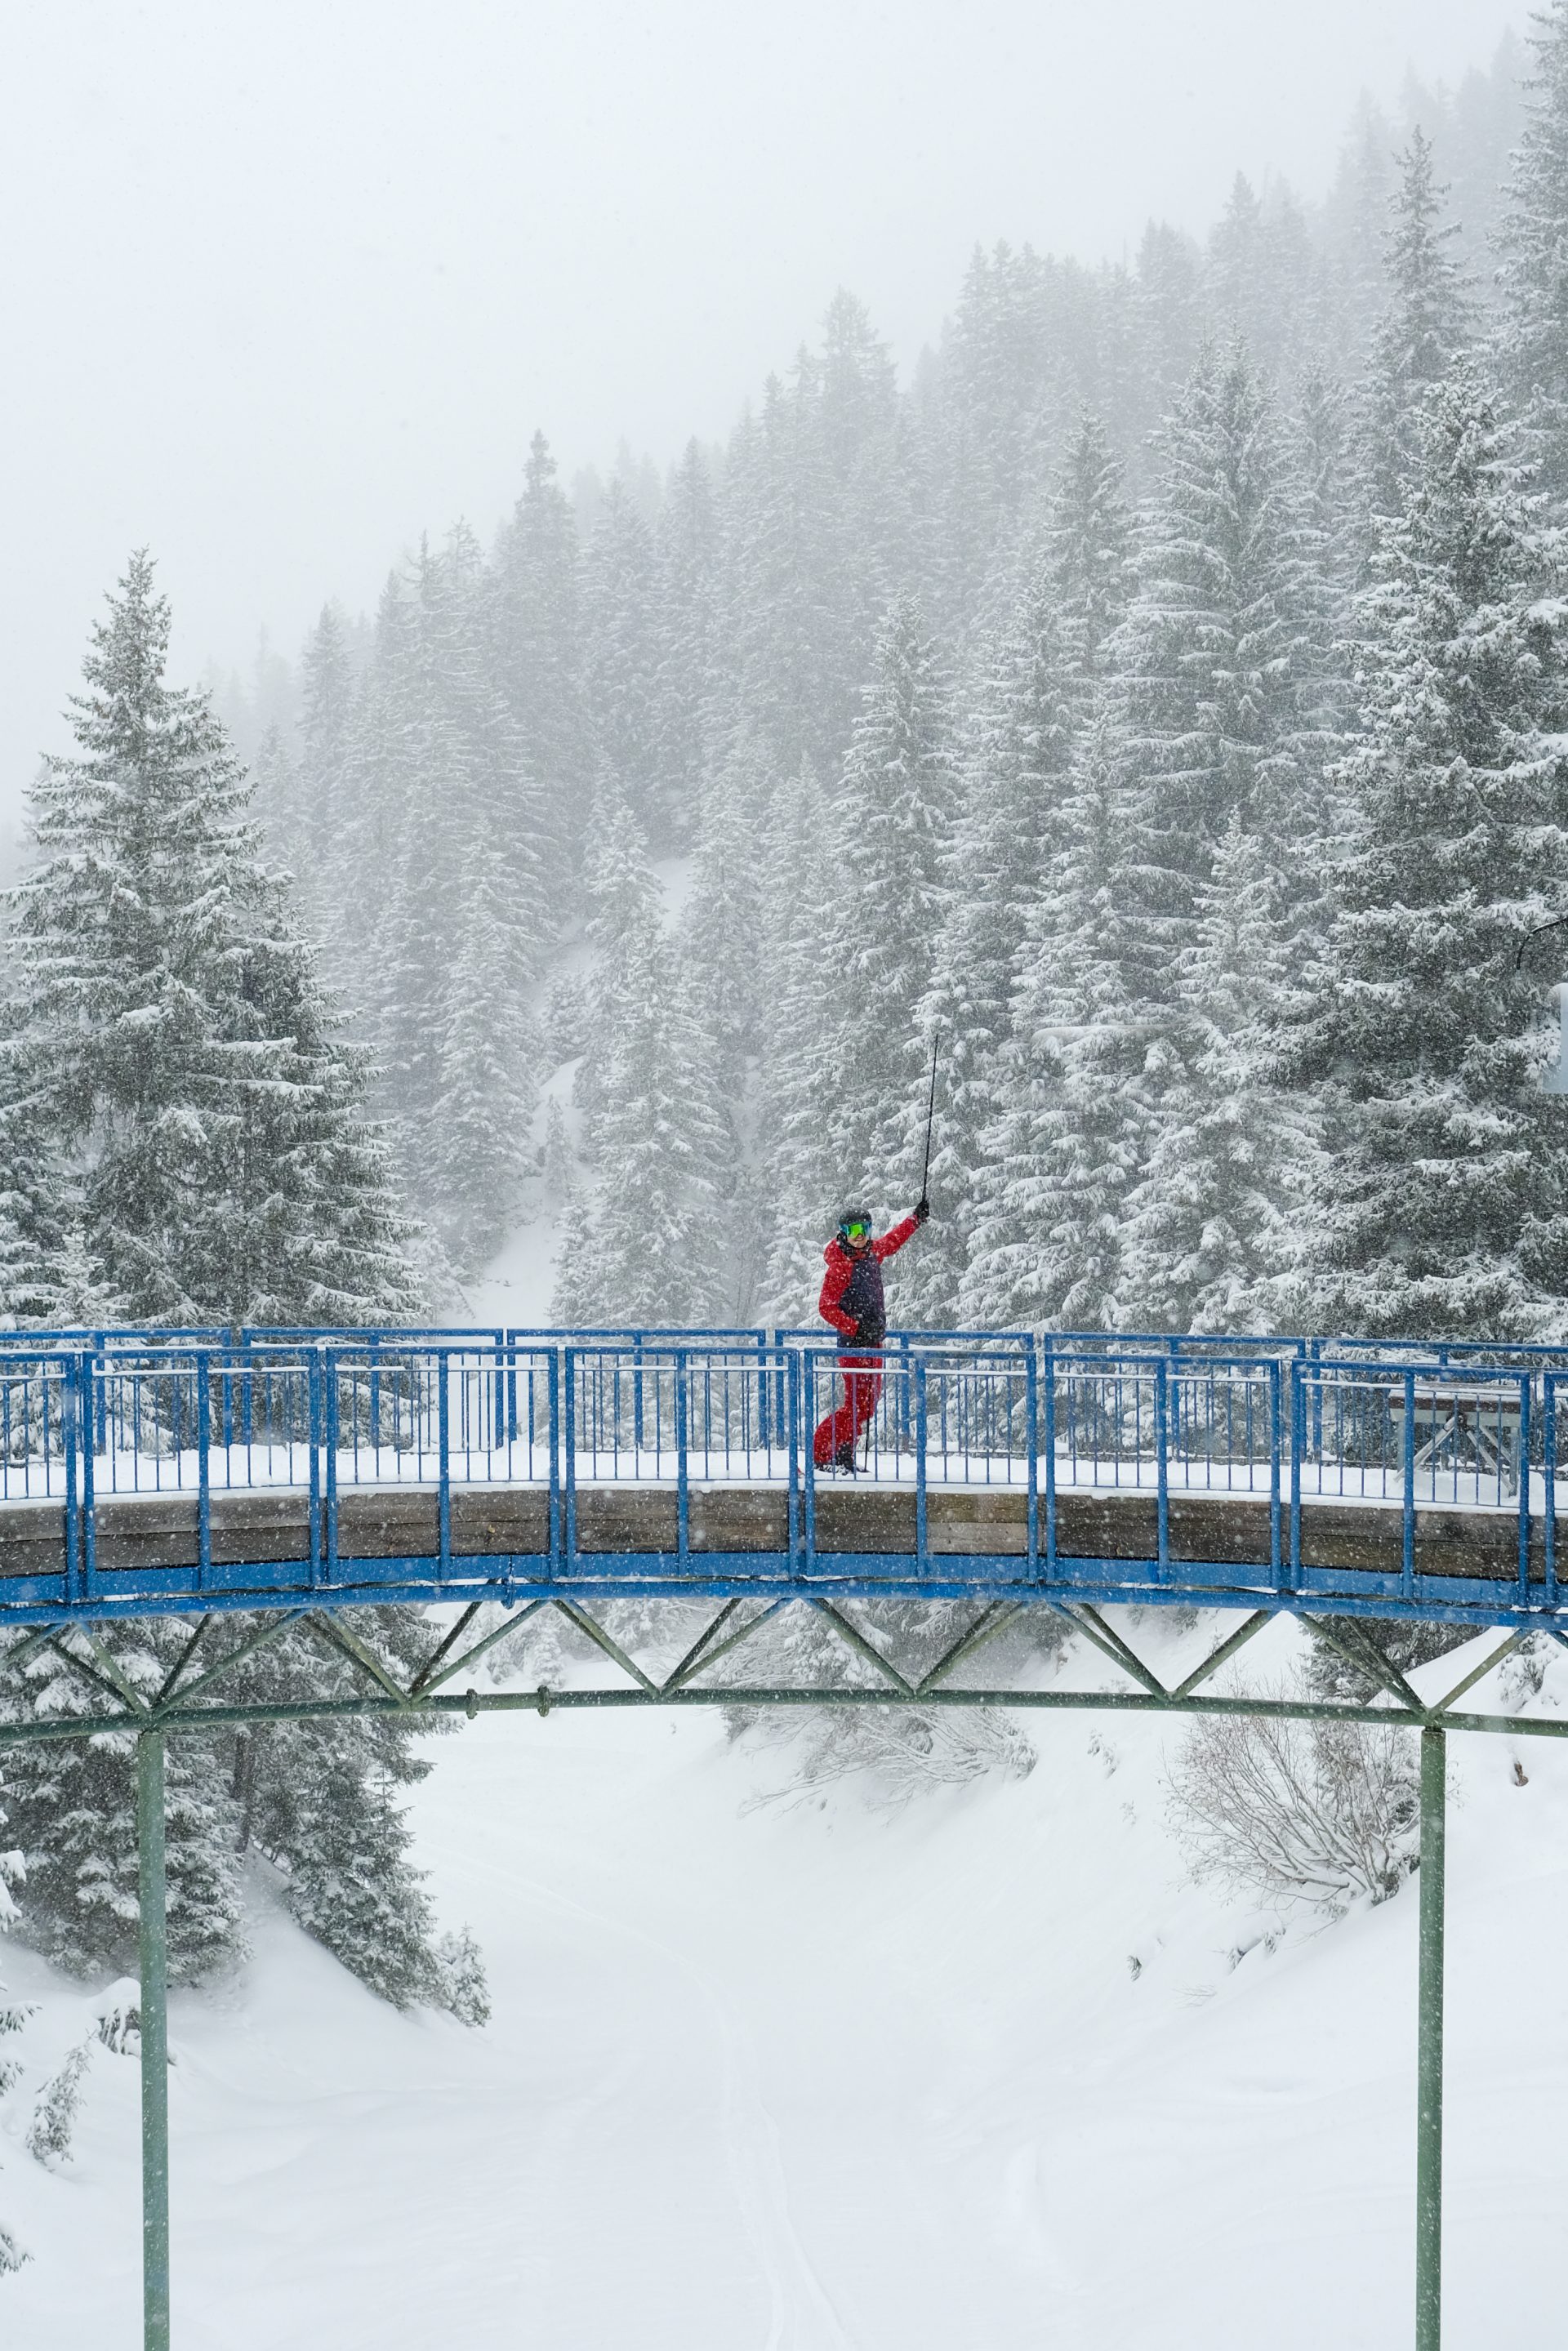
(621, 658)
(1226, 702)
(801, 1178)
(538, 626)
(1533, 341)
(1448, 1209)
(891, 820)
(315, 844)
(722, 922)
(1076, 1128)
(464, 931)
(1212, 1222)
(1227, 697)
(1429, 318)
(688, 641)
(1090, 555)
(722, 952)
(72, 1804)
(644, 1254)
(164, 1011)
(1014, 761)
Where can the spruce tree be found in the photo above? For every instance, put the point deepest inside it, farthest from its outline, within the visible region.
(1211, 1223)
(1014, 769)
(643, 1255)
(1447, 1210)
(1076, 1127)
(891, 821)
(72, 1805)
(621, 659)
(538, 656)
(1430, 319)
(1533, 277)
(168, 1027)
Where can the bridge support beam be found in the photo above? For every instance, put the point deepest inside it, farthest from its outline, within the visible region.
(152, 1937)
(1429, 2046)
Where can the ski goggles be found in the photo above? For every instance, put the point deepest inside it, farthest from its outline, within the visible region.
(856, 1229)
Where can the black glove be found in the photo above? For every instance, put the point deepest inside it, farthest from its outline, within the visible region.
(922, 1210)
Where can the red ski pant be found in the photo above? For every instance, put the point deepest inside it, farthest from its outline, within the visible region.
(863, 1385)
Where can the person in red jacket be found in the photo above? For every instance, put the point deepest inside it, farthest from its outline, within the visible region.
(854, 1301)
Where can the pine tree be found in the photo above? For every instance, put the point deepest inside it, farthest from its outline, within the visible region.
(802, 1176)
(168, 1015)
(892, 819)
(1211, 1222)
(1227, 697)
(72, 1804)
(1448, 1205)
(621, 657)
(688, 640)
(1077, 1124)
(1428, 321)
(1533, 278)
(643, 1256)
(1014, 767)
(539, 658)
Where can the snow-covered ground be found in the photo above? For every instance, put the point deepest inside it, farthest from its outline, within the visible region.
(821, 2079)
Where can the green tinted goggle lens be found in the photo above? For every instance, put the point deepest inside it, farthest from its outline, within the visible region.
(856, 1232)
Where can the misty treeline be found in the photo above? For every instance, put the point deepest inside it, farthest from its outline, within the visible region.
(1160, 698)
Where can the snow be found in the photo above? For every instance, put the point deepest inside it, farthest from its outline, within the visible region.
(813, 2078)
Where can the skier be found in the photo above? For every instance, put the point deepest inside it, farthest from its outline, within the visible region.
(853, 1302)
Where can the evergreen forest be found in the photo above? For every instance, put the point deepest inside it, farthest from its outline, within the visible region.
(1157, 694)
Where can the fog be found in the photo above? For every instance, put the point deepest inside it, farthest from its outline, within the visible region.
(285, 286)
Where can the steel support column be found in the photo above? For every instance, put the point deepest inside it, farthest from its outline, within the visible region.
(1430, 2058)
(155, 1955)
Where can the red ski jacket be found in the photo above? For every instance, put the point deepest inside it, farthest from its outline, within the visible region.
(852, 1299)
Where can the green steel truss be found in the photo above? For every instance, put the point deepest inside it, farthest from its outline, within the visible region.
(205, 1690)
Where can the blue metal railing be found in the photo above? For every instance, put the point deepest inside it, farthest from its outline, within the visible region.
(1301, 1428)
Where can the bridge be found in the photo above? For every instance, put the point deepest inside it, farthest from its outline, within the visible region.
(290, 1478)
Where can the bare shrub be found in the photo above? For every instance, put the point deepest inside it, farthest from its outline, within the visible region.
(897, 1751)
(1299, 1812)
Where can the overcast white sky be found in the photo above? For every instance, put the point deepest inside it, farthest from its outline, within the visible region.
(285, 282)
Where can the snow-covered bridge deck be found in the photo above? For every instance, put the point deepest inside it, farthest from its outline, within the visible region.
(145, 1472)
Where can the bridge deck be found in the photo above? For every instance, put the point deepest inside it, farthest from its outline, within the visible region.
(385, 1543)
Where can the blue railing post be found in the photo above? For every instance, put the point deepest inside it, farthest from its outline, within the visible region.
(1032, 1441)
(74, 1422)
(444, 1459)
(920, 1403)
(764, 1417)
(682, 1432)
(791, 1363)
(1522, 1466)
(313, 1405)
(88, 1482)
(1276, 1562)
(1407, 1546)
(1549, 1480)
(1162, 1467)
(204, 1470)
(552, 1391)
(809, 1463)
(1298, 1445)
(1049, 1464)
(569, 1455)
(332, 1439)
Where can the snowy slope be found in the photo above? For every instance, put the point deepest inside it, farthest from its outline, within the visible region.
(801, 2079)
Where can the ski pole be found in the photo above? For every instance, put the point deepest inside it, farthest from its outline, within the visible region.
(930, 1113)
